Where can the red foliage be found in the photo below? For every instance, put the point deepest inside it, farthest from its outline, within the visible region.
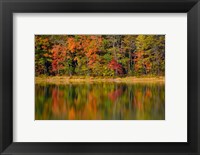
(114, 65)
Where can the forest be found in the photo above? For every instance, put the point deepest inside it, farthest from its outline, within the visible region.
(100, 55)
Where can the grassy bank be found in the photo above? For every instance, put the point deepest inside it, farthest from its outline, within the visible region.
(68, 79)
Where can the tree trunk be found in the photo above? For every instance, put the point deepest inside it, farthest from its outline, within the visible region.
(115, 54)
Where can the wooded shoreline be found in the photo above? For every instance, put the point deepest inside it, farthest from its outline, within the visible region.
(83, 79)
(100, 55)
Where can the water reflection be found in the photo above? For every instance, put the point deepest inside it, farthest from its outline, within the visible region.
(100, 101)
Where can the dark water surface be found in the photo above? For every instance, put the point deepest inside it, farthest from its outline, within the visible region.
(100, 101)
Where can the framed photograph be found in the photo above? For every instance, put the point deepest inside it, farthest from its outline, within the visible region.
(99, 77)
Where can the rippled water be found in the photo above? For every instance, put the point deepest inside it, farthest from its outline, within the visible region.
(100, 101)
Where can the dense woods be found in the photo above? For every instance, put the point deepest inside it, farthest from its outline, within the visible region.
(100, 55)
(99, 77)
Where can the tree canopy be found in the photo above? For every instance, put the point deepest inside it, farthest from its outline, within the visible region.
(100, 55)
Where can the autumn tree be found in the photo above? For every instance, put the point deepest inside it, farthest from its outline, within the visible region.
(100, 55)
(43, 56)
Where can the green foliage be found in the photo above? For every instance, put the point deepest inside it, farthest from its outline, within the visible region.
(100, 55)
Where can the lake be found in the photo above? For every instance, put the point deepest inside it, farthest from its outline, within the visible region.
(100, 101)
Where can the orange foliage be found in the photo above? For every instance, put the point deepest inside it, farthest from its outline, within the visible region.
(58, 55)
(71, 44)
(140, 62)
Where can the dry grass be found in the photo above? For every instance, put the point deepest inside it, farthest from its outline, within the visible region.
(82, 79)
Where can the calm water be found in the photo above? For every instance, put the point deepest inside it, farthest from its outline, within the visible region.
(100, 101)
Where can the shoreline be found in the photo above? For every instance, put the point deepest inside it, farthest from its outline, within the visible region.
(84, 79)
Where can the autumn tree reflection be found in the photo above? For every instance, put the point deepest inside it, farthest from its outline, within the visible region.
(100, 101)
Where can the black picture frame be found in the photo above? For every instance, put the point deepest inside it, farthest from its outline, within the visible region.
(8, 7)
